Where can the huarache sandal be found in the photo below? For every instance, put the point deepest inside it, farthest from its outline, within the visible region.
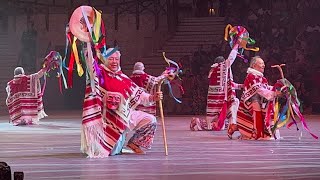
(136, 149)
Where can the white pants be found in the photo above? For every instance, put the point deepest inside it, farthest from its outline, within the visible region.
(234, 109)
(139, 119)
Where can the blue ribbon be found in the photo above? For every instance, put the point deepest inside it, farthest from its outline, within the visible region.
(171, 93)
(106, 55)
(175, 71)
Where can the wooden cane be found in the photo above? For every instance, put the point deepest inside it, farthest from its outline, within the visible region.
(282, 77)
(162, 120)
(280, 69)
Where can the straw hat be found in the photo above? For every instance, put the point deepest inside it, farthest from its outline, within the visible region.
(78, 25)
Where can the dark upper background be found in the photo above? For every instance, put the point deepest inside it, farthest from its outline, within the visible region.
(286, 31)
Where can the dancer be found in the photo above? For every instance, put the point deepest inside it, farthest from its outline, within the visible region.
(111, 112)
(24, 97)
(25, 93)
(222, 103)
(254, 103)
(110, 96)
(220, 80)
(148, 83)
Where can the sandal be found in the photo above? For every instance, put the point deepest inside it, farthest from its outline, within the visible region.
(231, 129)
(136, 149)
(193, 123)
(215, 126)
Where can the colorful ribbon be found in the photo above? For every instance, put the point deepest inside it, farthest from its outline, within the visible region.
(290, 108)
(175, 70)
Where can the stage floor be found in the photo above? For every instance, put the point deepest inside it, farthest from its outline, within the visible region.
(51, 150)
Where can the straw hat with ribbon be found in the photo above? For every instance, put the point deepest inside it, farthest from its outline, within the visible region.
(77, 23)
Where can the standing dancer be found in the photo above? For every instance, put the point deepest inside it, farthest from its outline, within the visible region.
(25, 93)
(24, 99)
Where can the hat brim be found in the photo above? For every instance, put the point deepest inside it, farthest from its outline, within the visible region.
(77, 24)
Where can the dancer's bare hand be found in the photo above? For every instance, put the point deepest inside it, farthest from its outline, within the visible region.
(278, 93)
(158, 96)
(168, 74)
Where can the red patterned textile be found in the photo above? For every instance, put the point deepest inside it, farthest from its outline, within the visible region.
(221, 96)
(251, 123)
(103, 127)
(216, 93)
(149, 83)
(24, 100)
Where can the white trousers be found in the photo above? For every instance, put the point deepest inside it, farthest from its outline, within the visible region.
(137, 120)
(234, 109)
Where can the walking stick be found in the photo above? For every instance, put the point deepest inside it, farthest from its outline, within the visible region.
(162, 120)
(280, 69)
(173, 71)
(278, 66)
(294, 106)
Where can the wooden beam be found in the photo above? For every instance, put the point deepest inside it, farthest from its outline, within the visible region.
(175, 14)
(156, 5)
(47, 20)
(14, 22)
(169, 20)
(137, 16)
(70, 9)
(116, 17)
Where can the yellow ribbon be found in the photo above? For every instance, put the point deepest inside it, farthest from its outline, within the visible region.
(285, 121)
(276, 112)
(76, 57)
(226, 32)
(288, 115)
(252, 49)
(97, 26)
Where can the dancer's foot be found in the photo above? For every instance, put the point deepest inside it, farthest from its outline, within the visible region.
(21, 122)
(193, 123)
(231, 129)
(136, 149)
(127, 151)
(215, 126)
